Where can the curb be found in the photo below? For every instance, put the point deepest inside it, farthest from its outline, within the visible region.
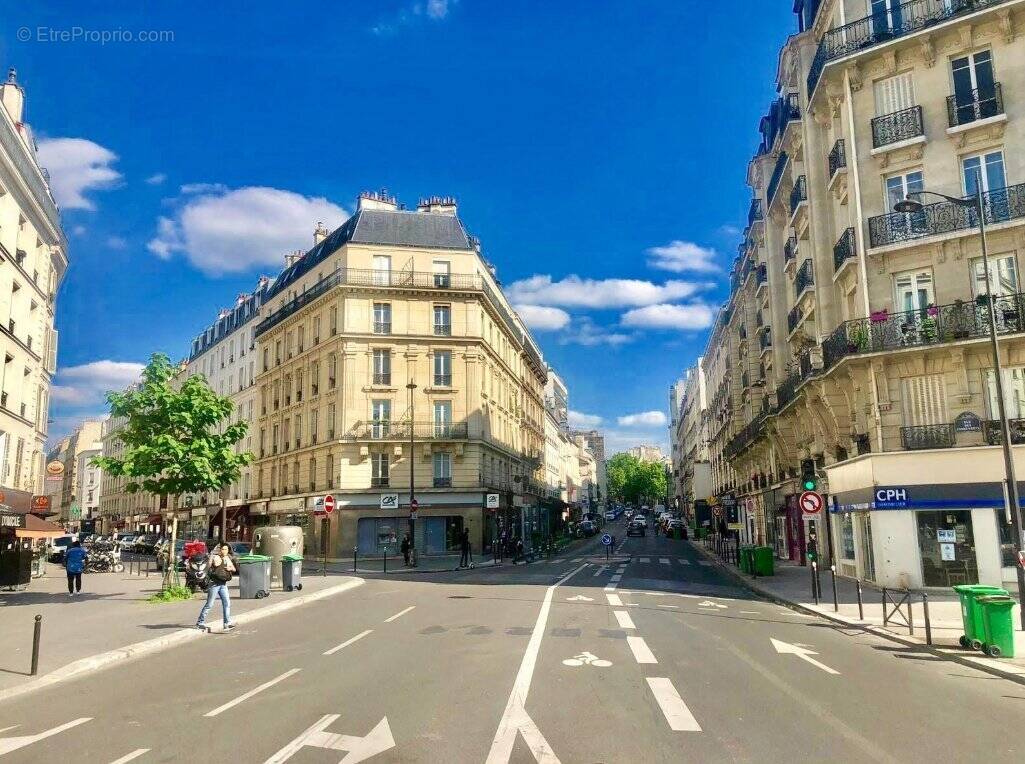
(954, 657)
(128, 652)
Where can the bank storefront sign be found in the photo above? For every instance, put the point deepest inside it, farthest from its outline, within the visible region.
(928, 497)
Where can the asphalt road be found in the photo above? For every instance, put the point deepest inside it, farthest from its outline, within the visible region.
(655, 658)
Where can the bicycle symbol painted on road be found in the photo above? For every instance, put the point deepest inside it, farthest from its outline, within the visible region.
(587, 659)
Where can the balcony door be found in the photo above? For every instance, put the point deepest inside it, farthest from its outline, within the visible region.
(905, 225)
(894, 94)
(1003, 277)
(380, 411)
(974, 86)
(442, 418)
(1014, 395)
(914, 291)
(382, 270)
(441, 270)
(886, 17)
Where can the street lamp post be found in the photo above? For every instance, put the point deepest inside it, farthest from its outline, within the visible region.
(977, 203)
(412, 491)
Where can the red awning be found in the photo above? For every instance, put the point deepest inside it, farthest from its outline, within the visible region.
(155, 520)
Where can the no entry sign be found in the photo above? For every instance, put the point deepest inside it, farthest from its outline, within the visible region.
(810, 502)
(329, 504)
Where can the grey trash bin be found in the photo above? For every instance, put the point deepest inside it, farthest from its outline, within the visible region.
(291, 572)
(253, 576)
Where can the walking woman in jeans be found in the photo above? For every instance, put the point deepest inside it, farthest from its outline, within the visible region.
(222, 568)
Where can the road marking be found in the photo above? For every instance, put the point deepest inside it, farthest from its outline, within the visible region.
(663, 560)
(614, 600)
(617, 578)
(515, 718)
(709, 603)
(399, 614)
(670, 606)
(8, 744)
(579, 598)
(704, 563)
(642, 654)
(749, 612)
(611, 587)
(684, 562)
(644, 559)
(600, 570)
(242, 698)
(625, 621)
(378, 740)
(675, 710)
(587, 659)
(785, 648)
(131, 756)
(577, 559)
(348, 642)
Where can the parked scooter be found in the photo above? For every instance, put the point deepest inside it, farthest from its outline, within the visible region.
(197, 567)
(104, 560)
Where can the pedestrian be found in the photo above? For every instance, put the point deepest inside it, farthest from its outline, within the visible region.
(222, 568)
(74, 563)
(406, 547)
(502, 549)
(464, 545)
(518, 554)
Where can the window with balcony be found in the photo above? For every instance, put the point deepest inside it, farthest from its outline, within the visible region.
(274, 439)
(1014, 393)
(1003, 276)
(442, 419)
(314, 417)
(316, 330)
(442, 368)
(300, 337)
(442, 470)
(989, 170)
(329, 468)
(382, 366)
(332, 317)
(330, 421)
(381, 265)
(380, 412)
(976, 94)
(441, 272)
(898, 118)
(905, 225)
(443, 320)
(314, 379)
(331, 378)
(913, 290)
(382, 318)
(379, 469)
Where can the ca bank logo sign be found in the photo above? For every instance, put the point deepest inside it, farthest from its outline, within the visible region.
(891, 497)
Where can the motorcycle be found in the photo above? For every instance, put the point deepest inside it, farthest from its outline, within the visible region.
(104, 560)
(196, 569)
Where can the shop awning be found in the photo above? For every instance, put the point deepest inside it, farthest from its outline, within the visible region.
(37, 528)
(154, 519)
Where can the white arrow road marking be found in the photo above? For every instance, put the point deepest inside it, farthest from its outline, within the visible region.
(131, 756)
(709, 603)
(625, 621)
(785, 648)
(515, 719)
(348, 642)
(399, 614)
(640, 649)
(8, 744)
(579, 598)
(614, 600)
(378, 740)
(256, 690)
(675, 710)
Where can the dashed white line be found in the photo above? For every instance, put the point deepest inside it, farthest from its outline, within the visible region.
(614, 600)
(644, 559)
(600, 570)
(642, 653)
(674, 607)
(704, 563)
(663, 560)
(348, 642)
(242, 698)
(683, 561)
(131, 756)
(399, 614)
(677, 714)
(624, 619)
(617, 578)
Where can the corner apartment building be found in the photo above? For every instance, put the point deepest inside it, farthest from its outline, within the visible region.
(394, 297)
(689, 434)
(33, 260)
(854, 342)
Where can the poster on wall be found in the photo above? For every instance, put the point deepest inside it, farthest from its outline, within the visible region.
(947, 552)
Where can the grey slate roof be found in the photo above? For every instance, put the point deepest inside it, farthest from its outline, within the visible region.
(408, 229)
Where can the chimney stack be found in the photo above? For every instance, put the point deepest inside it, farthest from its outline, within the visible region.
(437, 205)
(291, 258)
(377, 200)
(13, 97)
(319, 233)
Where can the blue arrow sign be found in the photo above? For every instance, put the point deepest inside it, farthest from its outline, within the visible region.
(606, 539)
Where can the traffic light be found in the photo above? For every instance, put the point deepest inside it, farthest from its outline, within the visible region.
(809, 481)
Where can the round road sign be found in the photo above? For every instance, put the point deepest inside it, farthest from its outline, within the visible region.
(810, 502)
(329, 504)
(606, 539)
(414, 504)
(717, 511)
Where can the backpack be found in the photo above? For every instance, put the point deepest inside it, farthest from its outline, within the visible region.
(220, 574)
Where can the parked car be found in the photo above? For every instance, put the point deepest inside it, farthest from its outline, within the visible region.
(636, 528)
(586, 528)
(147, 543)
(59, 545)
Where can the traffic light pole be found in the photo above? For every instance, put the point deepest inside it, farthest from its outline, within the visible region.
(412, 491)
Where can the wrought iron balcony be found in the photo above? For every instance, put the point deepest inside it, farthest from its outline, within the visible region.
(382, 378)
(792, 112)
(750, 433)
(790, 249)
(1001, 205)
(899, 126)
(787, 390)
(794, 318)
(742, 332)
(877, 28)
(443, 330)
(443, 380)
(984, 103)
(777, 177)
(382, 327)
(761, 273)
(442, 482)
(805, 278)
(927, 436)
(993, 434)
(931, 326)
(798, 194)
(759, 321)
(844, 249)
(837, 157)
(388, 430)
(765, 338)
(755, 212)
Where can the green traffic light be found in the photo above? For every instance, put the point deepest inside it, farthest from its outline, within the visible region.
(809, 485)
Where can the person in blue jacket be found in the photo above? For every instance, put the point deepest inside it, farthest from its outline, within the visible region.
(74, 563)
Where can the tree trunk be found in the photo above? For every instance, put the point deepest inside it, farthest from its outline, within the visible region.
(169, 565)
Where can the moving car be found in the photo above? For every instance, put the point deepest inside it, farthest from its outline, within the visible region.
(636, 528)
(610, 515)
(586, 528)
(641, 520)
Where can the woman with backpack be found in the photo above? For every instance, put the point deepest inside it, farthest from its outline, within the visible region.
(222, 568)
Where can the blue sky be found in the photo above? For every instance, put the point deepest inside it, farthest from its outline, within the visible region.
(598, 149)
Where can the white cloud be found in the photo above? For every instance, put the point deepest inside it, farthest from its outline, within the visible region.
(682, 317)
(596, 293)
(585, 332)
(644, 419)
(680, 256)
(542, 318)
(117, 242)
(77, 166)
(203, 188)
(222, 231)
(156, 179)
(581, 421)
(619, 441)
(730, 231)
(438, 9)
(435, 10)
(89, 383)
(78, 230)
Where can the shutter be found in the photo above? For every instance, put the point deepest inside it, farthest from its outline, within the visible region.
(894, 94)
(51, 351)
(925, 400)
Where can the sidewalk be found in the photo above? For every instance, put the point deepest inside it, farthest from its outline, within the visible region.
(792, 584)
(111, 614)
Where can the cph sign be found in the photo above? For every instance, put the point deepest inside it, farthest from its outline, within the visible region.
(891, 497)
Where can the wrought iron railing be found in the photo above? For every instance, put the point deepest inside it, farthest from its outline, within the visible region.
(443, 380)
(787, 390)
(798, 194)
(765, 338)
(805, 365)
(790, 249)
(382, 327)
(993, 434)
(759, 321)
(877, 28)
(776, 178)
(761, 273)
(793, 107)
(742, 332)
(794, 318)
(1001, 205)
(844, 249)
(899, 126)
(750, 433)
(927, 436)
(983, 103)
(837, 157)
(390, 430)
(755, 211)
(804, 279)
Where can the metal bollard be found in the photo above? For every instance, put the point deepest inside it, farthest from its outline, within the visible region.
(836, 603)
(814, 582)
(386, 559)
(861, 604)
(911, 615)
(36, 634)
(884, 605)
(928, 625)
(354, 551)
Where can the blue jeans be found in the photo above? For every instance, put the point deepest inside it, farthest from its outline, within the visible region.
(216, 590)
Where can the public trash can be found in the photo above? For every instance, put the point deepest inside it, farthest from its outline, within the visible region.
(291, 572)
(253, 576)
(998, 629)
(747, 559)
(971, 612)
(764, 562)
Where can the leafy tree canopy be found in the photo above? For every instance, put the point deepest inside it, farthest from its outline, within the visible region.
(630, 479)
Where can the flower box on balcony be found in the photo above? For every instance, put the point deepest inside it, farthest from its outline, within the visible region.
(879, 316)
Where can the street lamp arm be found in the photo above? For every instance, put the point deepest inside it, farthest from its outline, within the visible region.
(960, 202)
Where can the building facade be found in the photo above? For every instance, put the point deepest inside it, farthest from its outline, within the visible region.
(691, 467)
(853, 349)
(394, 298)
(65, 489)
(33, 257)
(119, 509)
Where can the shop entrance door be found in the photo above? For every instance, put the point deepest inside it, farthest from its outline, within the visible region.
(868, 562)
(947, 544)
(782, 552)
(325, 535)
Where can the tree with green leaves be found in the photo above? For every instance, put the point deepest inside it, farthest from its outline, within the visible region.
(630, 479)
(177, 438)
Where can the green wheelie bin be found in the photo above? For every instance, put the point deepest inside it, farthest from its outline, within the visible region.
(253, 576)
(291, 572)
(998, 637)
(747, 559)
(971, 612)
(764, 563)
